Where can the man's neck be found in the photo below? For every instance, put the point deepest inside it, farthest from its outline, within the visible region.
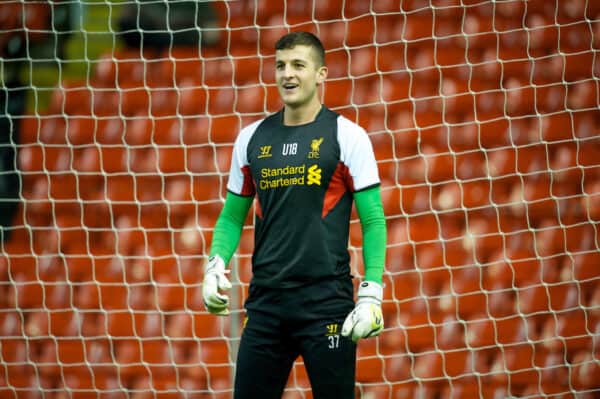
(301, 115)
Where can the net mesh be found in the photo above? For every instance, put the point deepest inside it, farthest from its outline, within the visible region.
(484, 119)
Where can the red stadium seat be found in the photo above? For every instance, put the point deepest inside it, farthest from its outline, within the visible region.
(369, 367)
(436, 366)
(70, 353)
(391, 57)
(528, 159)
(501, 302)
(135, 100)
(450, 335)
(577, 65)
(479, 31)
(201, 159)
(467, 390)
(338, 92)
(224, 128)
(52, 129)
(30, 126)
(462, 294)
(171, 160)
(251, 100)
(164, 101)
(338, 61)
(123, 324)
(575, 37)
(568, 162)
(106, 102)
(397, 367)
(543, 33)
(188, 131)
(267, 74)
(100, 358)
(550, 98)
(71, 98)
(191, 98)
(582, 95)
(110, 130)
(456, 96)
(513, 267)
(537, 299)
(571, 332)
(178, 194)
(582, 268)
(553, 365)
(520, 97)
(15, 355)
(555, 127)
(155, 356)
(171, 295)
(362, 62)
(181, 64)
(220, 100)
(11, 15)
(10, 324)
(458, 195)
(515, 365)
(485, 332)
(418, 330)
(214, 357)
(247, 68)
(591, 199)
(28, 294)
(83, 385)
(585, 370)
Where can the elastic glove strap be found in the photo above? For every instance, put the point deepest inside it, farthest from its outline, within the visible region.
(369, 291)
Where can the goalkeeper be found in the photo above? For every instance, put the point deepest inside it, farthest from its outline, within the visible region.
(305, 165)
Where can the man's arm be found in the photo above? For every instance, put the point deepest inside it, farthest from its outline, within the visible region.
(226, 237)
(372, 220)
(366, 320)
(229, 225)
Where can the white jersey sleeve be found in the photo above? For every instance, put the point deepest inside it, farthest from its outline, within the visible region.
(356, 153)
(240, 181)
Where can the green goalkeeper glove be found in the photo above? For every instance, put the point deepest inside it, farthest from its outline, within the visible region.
(366, 320)
(215, 281)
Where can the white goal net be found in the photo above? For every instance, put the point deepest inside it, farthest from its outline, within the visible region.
(115, 143)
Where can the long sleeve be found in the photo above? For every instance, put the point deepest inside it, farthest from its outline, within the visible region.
(372, 220)
(229, 225)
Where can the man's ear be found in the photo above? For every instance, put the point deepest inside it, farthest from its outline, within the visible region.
(321, 74)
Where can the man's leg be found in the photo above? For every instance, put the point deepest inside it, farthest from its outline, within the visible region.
(265, 359)
(329, 358)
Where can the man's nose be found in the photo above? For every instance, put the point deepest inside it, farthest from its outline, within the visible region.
(287, 70)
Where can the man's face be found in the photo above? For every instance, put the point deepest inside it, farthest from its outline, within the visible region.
(297, 75)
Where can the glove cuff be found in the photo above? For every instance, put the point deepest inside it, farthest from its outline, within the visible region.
(215, 264)
(369, 290)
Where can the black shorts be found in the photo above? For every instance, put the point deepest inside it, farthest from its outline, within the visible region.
(285, 324)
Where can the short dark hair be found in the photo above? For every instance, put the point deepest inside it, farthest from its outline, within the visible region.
(302, 38)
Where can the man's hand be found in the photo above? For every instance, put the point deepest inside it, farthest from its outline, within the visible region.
(366, 320)
(215, 281)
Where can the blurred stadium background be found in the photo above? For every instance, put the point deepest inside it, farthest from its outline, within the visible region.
(115, 148)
